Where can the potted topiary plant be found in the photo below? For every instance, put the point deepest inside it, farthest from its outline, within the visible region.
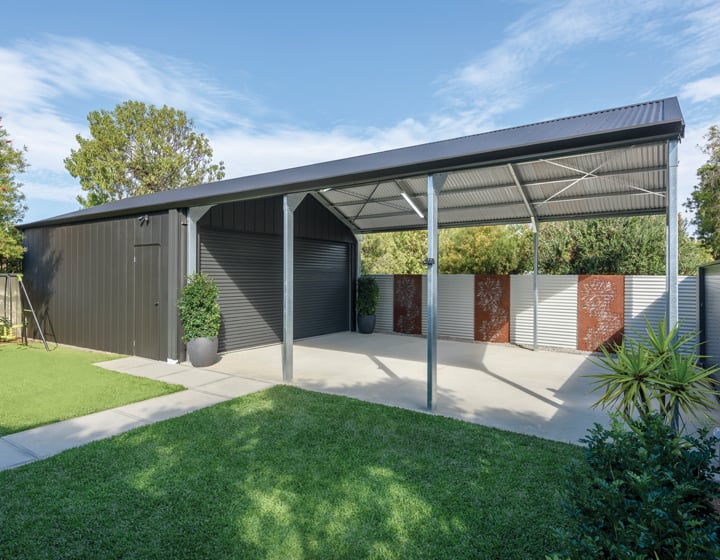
(200, 316)
(368, 295)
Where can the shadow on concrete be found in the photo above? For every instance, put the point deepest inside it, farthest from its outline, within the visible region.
(542, 393)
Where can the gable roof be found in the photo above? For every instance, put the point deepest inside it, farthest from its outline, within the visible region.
(610, 162)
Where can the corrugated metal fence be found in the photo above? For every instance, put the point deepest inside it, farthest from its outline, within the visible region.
(709, 318)
(644, 296)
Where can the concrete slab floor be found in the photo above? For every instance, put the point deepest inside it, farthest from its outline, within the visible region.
(542, 393)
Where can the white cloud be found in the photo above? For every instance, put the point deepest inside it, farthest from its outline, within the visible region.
(504, 77)
(699, 42)
(65, 193)
(246, 152)
(703, 89)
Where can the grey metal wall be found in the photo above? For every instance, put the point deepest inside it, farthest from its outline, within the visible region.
(89, 290)
(241, 248)
(709, 316)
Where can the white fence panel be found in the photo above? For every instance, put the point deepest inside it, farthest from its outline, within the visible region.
(384, 311)
(557, 310)
(645, 298)
(456, 305)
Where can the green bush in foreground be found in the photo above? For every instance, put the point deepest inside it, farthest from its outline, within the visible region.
(643, 492)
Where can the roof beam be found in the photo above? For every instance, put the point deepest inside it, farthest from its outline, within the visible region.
(531, 210)
(334, 211)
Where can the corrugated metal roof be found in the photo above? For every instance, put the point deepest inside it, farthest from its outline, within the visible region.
(596, 163)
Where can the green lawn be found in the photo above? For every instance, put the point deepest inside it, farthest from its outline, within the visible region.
(39, 387)
(288, 474)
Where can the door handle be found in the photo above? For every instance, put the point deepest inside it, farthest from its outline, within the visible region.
(156, 304)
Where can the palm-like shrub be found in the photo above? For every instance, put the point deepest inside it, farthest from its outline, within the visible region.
(658, 371)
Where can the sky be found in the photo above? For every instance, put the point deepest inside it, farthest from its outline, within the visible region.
(277, 84)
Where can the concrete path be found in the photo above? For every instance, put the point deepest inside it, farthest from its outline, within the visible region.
(204, 388)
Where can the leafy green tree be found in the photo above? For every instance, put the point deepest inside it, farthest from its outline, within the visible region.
(634, 245)
(705, 198)
(12, 207)
(137, 149)
(399, 252)
(486, 250)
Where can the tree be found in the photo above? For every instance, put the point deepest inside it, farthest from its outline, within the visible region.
(399, 252)
(12, 207)
(469, 250)
(634, 245)
(705, 198)
(137, 149)
(486, 250)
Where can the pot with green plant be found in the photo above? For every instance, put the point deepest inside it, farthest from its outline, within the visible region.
(200, 316)
(368, 295)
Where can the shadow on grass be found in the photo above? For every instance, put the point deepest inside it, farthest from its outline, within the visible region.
(287, 473)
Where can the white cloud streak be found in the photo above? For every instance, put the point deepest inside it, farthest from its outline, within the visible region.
(702, 90)
(506, 76)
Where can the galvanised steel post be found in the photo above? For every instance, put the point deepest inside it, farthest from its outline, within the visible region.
(290, 204)
(193, 217)
(536, 301)
(671, 250)
(434, 185)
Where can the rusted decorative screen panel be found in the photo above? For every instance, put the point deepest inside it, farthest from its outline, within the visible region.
(601, 315)
(492, 308)
(407, 304)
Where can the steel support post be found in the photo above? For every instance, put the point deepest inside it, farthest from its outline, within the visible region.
(434, 186)
(536, 301)
(671, 251)
(193, 217)
(290, 204)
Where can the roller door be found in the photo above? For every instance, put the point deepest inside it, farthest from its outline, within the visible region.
(322, 287)
(248, 271)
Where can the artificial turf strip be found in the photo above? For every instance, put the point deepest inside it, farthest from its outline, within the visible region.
(285, 474)
(39, 387)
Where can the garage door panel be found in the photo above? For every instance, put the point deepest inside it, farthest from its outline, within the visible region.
(248, 272)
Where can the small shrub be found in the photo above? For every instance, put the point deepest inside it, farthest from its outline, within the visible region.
(643, 492)
(198, 307)
(368, 296)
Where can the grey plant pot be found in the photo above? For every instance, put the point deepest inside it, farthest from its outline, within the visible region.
(202, 351)
(366, 324)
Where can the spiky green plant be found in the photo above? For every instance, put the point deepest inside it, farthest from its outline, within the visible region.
(657, 371)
